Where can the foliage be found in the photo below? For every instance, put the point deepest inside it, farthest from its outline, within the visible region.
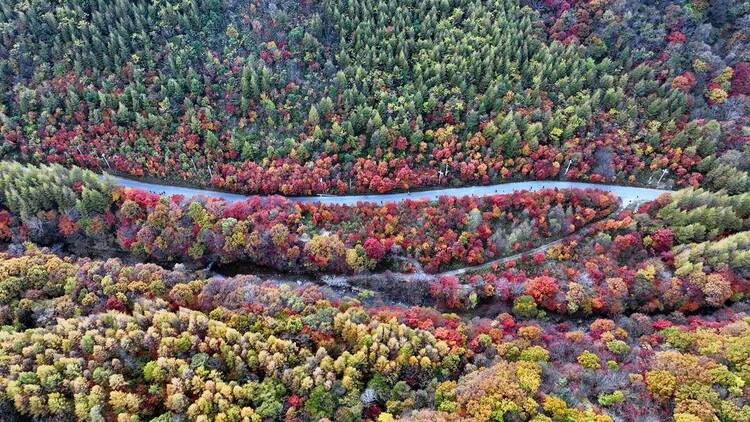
(681, 252)
(352, 96)
(187, 346)
(282, 234)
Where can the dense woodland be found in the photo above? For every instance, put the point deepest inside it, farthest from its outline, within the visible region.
(569, 305)
(102, 340)
(94, 339)
(298, 97)
(682, 253)
(50, 205)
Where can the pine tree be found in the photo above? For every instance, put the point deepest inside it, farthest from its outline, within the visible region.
(312, 116)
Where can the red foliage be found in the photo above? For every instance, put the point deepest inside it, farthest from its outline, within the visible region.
(543, 289)
(676, 37)
(662, 240)
(294, 401)
(373, 412)
(374, 249)
(115, 304)
(741, 79)
(448, 290)
(683, 82)
(5, 229)
(67, 226)
(142, 198)
(661, 324)
(538, 258)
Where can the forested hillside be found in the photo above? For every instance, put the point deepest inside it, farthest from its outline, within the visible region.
(300, 97)
(51, 205)
(610, 284)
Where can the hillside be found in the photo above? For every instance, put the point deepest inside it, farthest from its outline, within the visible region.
(353, 96)
(374, 210)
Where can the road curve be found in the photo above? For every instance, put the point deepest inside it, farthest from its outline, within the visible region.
(628, 194)
(416, 282)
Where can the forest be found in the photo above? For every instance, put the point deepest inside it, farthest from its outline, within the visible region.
(314, 237)
(351, 96)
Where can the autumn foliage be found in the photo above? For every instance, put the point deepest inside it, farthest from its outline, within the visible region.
(282, 234)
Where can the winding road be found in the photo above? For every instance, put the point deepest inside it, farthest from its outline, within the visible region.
(413, 286)
(628, 194)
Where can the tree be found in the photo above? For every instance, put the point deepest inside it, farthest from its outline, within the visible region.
(312, 116)
(92, 202)
(326, 106)
(729, 178)
(325, 251)
(374, 249)
(321, 403)
(544, 290)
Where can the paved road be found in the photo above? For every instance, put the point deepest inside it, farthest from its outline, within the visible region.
(628, 194)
